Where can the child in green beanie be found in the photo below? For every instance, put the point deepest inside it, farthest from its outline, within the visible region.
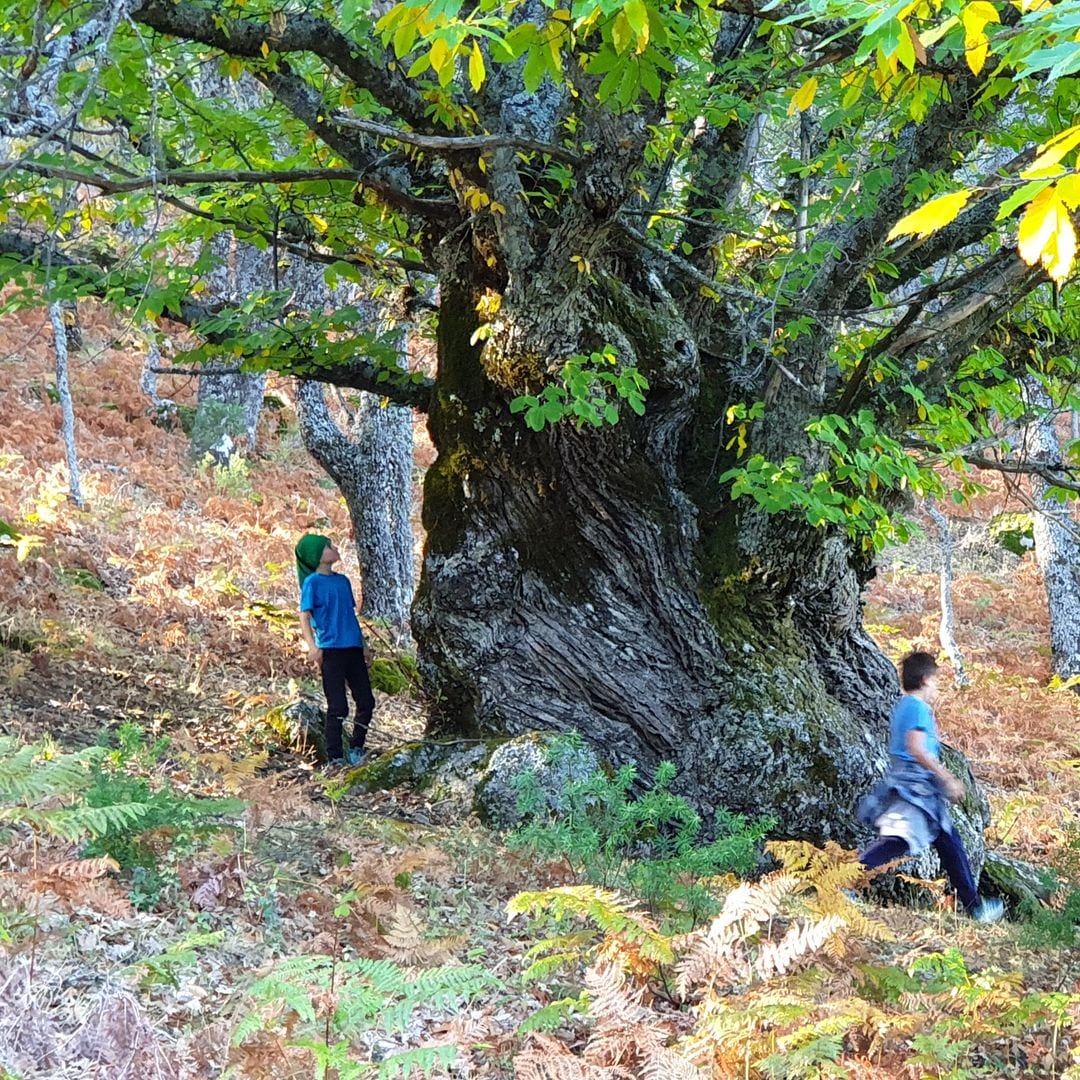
(334, 640)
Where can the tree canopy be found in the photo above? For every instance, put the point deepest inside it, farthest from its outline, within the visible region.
(919, 153)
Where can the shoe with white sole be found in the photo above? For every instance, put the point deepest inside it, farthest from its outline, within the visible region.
(990, 910)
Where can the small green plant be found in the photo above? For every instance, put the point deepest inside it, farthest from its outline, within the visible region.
(1051, 928)
(233, 478)
(81, 579)
(215, 422)
(590, 389)
(43, 790)
(395, 674)
(183, 821)
(160, 969)
(945, 1056)
(649, 846)
(815, 1059)
(324, 1005)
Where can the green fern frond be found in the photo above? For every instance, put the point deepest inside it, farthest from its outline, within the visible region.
(555, 1014)
(369, 993)
(29, 775)
(610, 913)
(424, 1059)
(546, 966)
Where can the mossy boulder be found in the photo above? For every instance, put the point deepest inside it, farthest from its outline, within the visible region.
(1015, 881)
(446, 769)
(556, 762)
(478, 775)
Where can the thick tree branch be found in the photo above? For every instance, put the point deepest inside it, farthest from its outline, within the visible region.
(957, 326)
(974, 224)
(690, 273)
(285, 238)
(357, 375)
(927, 146)
(1050, 472)
(391, 183)
(181, 178)
(946, 336)
(291, 33)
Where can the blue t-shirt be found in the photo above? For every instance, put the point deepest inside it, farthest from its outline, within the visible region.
(912, 714)
(329, 598)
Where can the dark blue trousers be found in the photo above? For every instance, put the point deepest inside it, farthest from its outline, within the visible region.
(950, 851)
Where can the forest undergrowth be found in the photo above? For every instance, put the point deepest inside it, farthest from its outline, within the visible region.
(182, 896)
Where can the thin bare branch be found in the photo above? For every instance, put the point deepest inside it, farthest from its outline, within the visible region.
(452, 144)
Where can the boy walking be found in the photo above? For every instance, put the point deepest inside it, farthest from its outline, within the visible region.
(333, 639)
(909, 807)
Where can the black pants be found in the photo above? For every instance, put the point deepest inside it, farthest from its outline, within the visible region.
(341, 667)
(951, 853)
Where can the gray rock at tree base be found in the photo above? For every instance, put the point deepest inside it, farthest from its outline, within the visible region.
(555, 762)
(304, 725)
(478, 776)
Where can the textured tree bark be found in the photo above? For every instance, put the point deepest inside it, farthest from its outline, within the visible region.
(63, 389)
(947, 627)
(371, 462)
(1057, 546)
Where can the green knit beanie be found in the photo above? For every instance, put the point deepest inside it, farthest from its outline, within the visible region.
(309, 552)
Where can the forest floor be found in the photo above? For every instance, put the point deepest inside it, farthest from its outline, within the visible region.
(159, 621)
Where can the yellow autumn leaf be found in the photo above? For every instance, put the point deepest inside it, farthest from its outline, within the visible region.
(1068, 188)
(476, 67)
(931, 216)
(439, 54)
(1046, 234)
(803, 98)
(264, 49)
(1051, 153)
(975, 16)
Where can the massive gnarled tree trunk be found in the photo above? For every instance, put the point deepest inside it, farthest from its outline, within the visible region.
(603, 580)
(573, 581)
(600, 580)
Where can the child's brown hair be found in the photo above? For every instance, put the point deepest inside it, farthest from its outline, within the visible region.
(915, 669)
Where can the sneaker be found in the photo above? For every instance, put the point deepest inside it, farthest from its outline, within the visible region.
(989, 911)
(356, 757)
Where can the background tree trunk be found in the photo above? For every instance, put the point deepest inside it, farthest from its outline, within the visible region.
(239, 270)
(947, 626)
(67, 409)
(371, 462)
(1057, 546)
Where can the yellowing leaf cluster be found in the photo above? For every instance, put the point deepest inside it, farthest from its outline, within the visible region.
(1046, 233)
(803, 98)
(975, 17)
